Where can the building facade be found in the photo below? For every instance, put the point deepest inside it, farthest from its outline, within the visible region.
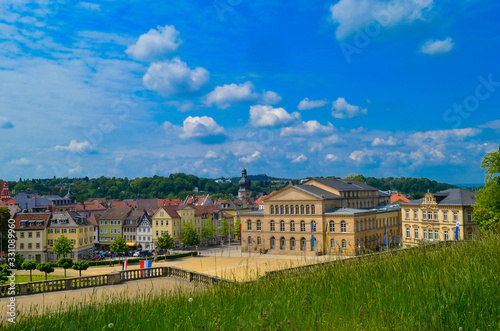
(77, 229)
(322, 216)
(111, 225)
(145, 234)
(436, 217)
(31, 236)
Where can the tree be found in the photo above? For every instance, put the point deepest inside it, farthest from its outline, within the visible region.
(225, 228)
(208, 229)
(63, 246)
(4, 273)
(66, 263)
(29, 265)
(81, 265)
(4, 227)
(189, 235)
(46, 267)
(165, 241)
(119, 245)
(487, 206)
(237, 227)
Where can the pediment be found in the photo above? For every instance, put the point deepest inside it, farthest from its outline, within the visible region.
(292, 193)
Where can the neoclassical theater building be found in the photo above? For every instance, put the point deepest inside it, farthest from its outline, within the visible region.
(321, 216)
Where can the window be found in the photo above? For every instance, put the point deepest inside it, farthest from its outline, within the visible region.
(259, 241)
(303, 244)
(58, 230)
(407, 232)
(430, 235)
(470, 234)
(292, 226)
(344, 243)
(332, 243)
(281, 210)
(429, 215)
(416, 233)
(259, 226)
(249, 240)
(445, 216)
(157, 233)
(81, 241)
(424, 215)
(302, 210)
(51, 256)
(66, 230)
(436, 235)
(74, 230)
(161, 222)
(166, 222)
(30, 246)
(162, 214)
(302, 226)
(156, 223)
(415, 215)
(51, 242)
(331, 226)
(435, 215)
(273, 243)
(342, 226)
(50, 231)
(313, 209)
(272, 210)
(249, 225)
(307, 210)
(455, 217)
(272, 226)
(469, 217)
(291, 210)
(286, 210)
(407, 215)
(425, 234)
(21, 246)
(22, 234)
(445, 235)
(297, 209)
(292, 244)
(37, 245)
(282, 226)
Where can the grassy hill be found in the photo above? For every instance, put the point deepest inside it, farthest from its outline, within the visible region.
(430, 288)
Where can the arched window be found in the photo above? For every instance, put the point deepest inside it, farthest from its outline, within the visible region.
(277, 208)
(282, 243)
(281, 210)
(307, 210)
(357, 224)
(302, 226)
(273, 243)
(272, 209)
(249, 240)
(303, 244)
(292, 226)
(259, 241)
(272, 225)
(259, 226)
(342, 226)
(292, 244)
(291, 210)
(282, 226)
(313, 209)
(332, 243)
(313, 226)
(286, 210)
(344, 243)
(249, 225)
(297, 209)
(331, 225)
(302, 209)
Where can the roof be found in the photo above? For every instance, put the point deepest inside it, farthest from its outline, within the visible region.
(319, 192)
(73, 219)
(89, 206)
(146, 204)
(94, 219)
(130, 203)
(115, 213)
(169, 202)
(170, 210)
(359, 211)
(344, 184)
(45, 217)
(451, 197)
(253, 212)
(398, 196)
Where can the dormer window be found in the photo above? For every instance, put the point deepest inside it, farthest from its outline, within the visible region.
(24, 223)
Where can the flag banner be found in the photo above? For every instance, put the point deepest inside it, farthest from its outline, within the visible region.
(456, 230)
(144, 265)
(385, 233)
(312, 235)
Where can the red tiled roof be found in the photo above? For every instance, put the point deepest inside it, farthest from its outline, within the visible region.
(31, 217)
(169, 202)
(397, 196)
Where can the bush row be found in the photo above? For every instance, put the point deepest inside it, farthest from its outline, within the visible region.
(137, 260)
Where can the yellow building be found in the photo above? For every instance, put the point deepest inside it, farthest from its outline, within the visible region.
(322, 216)
(166, 219)
(435, 217)
(189, 214)
(77, 229)
(111, 225)
(31, 236)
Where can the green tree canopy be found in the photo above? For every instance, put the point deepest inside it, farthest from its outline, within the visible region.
(189, 235)
(4, 227)
(119, 245)
(45, 267)
(29, 265)
(63, 246)
(165, 241)
(487, 206)
(208, 229)
(4, 273)
(66, 263)
(81, 265)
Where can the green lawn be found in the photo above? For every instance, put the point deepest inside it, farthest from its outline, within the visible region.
(431, 288)
(36, 277)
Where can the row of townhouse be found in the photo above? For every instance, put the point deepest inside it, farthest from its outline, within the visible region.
(343, 216)
(37, 233)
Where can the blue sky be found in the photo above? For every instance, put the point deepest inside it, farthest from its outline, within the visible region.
(290, 88)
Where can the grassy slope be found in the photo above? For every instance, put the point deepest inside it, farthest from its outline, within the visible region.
(423, 289)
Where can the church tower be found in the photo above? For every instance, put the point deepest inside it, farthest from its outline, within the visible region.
(5, 192)
(244, 190)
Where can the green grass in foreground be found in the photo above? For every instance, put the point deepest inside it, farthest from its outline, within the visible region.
(429, 288)
(36, 278)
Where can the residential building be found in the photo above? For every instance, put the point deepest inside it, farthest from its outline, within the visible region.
(31, 242)
(322, 216)
(399, 198)
(130, 226)
(436, 216)
(94, 220)
(111, 224)
(88, 208)
(74, 227)
(167, 219)
(145, 233)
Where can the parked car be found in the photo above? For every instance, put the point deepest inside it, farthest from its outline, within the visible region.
(136, 254)
(98, 258)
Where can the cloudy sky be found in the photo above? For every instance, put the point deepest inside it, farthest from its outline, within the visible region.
(290, 88)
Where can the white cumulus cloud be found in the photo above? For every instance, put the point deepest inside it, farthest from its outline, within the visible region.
(195, 127)
(171, 78)
(90, 6)
(297, 158)
(211, 155)
(332, 158)
(437, 46)
(226, 95)
(308, 128)
(391, 141)
(250, 158)
(307, 104)
(77, 147)
(21, 161)
(333, 139)
(439, 136)
(266, 116)
(353, 15)
(341, 109)
(155, 44)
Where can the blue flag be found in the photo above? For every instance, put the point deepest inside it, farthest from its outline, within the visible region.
(456, 230)
(312, 235)
(385, 233)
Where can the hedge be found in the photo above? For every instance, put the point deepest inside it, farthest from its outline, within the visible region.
(137, 260)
